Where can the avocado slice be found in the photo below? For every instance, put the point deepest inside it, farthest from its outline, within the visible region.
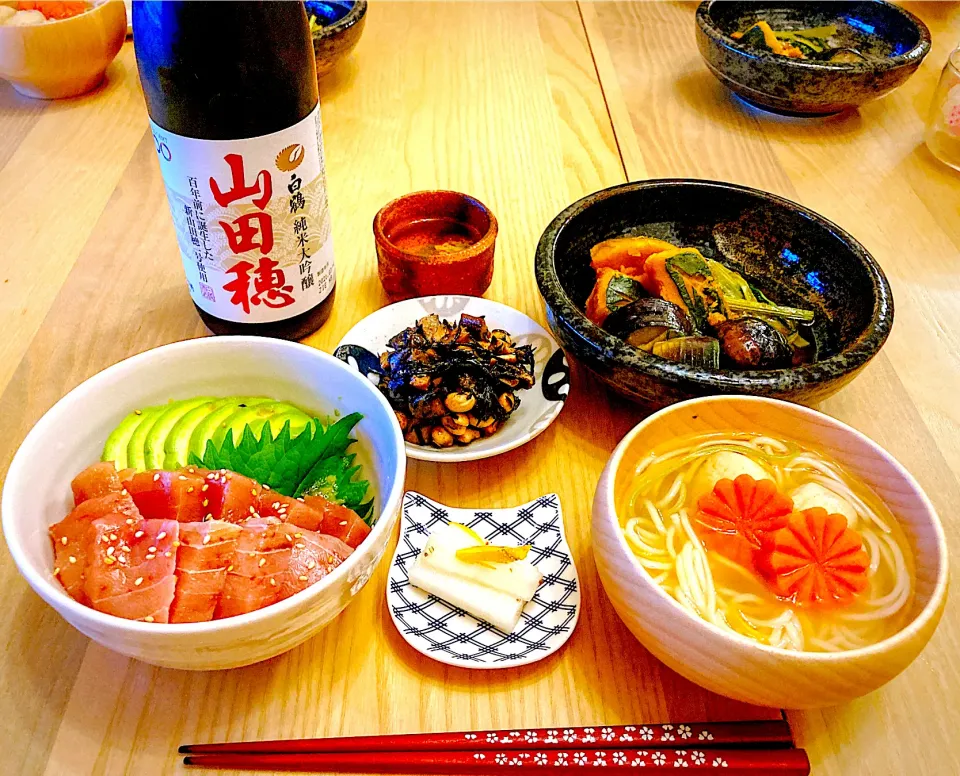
(176, 447)
(115, 448)
(299, 420)
(255, 417)
(153, 446)
(136, 457)
(204, 431)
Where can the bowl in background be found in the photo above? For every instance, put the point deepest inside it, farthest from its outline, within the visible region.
(70, 436)
(342, 25)
(63, 58)
(894, 40)
(734, 665)
(796, 256)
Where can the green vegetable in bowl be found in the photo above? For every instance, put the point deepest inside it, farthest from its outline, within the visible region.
(313, 462)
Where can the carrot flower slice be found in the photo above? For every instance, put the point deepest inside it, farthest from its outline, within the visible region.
(746, 507)
(816, 560)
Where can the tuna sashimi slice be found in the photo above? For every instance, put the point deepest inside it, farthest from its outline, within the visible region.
(150, 604)
(95, 481)
(206, 552)
(71, 537)
(289, 510)
(178, 495)
(130, 569)
(338, 521)
(237, 496)
(273, 561)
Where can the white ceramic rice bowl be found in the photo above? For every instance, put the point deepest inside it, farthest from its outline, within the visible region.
(71, 434)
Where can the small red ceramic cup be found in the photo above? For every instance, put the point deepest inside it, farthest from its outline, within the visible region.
(435, 242)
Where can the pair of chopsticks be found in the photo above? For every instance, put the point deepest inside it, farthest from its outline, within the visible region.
(738, 748)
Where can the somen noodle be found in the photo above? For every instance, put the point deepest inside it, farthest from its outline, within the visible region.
(660, 520)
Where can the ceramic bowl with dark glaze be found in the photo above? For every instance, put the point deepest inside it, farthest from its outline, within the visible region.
(342, 25)
(795, 256)
(893, 41)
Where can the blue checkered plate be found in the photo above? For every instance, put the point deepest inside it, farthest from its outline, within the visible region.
(450, 635)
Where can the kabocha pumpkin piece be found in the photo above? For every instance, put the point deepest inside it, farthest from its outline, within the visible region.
(815, 560)
(612, 291)
(626, 254)
(682, 276)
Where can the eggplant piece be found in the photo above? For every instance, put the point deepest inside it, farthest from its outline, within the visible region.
(750, 343)
(700, 352)
(646, 321)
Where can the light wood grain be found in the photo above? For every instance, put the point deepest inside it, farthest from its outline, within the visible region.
(502, 101)
(869, 172)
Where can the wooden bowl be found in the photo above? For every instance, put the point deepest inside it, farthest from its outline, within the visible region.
(734, 665)
(63, 58)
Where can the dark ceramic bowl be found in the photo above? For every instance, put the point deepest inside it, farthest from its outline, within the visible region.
(893, 39)
(794, 255)
(342, 26)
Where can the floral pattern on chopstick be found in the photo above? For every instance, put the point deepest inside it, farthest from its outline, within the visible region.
(679, 758)
(564, 737)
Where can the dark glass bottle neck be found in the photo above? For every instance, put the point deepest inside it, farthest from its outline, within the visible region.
(225, 70)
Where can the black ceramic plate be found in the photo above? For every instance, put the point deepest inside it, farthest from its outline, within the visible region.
(893, 40)
(793, 254)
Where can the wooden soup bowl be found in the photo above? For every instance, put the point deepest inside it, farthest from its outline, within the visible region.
(734, 665)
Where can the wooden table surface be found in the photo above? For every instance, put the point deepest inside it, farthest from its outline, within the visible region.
(528, 107)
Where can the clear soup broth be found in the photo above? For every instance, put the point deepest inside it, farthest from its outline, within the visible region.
(674, 540)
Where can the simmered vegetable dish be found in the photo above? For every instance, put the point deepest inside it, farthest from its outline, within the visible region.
(675, 303)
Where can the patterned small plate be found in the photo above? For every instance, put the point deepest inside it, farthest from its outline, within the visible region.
(539, 406)
(450, 635)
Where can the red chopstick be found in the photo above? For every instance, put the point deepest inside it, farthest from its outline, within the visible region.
(733, 762)
(769, 734)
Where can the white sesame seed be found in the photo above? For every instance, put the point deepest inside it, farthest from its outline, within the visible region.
(206, 502)
(273, 581)
(138, 581)
(148, 618)
(276, 505)
(129, 521)
(151, 548)
(252, 510)
(298, 536)
(300, 546)
(311, 564)
(124, 491)
(124, 548)
(112, 537)
(263, 562)
(303, 577)
(205, 488)
(343, 522)
(72, 559)
(181, 478)
(156, 476)
(111, 550)
(150, 556)
(138, 534)
(265, 487)
(162, 535)
(63, 541)
(300, 500)
(168, 555)
(190, 489)
(208, 516)
(206, 539)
